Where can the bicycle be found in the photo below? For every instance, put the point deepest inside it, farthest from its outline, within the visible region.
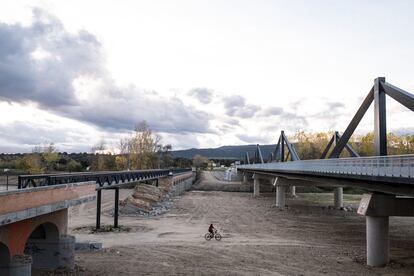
(208, 236)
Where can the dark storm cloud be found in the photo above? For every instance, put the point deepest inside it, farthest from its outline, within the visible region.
(39, 64)
(236, 106)
(47, 81)
(203, 95)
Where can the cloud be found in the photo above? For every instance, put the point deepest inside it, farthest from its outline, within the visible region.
(180, 141)
(65, 73)
(203, 95)
(23, 136)
(293, 122)
(253, 139)
(47, 78)
(335, 105)
(231, 121)
(236, 106)
(272, 111)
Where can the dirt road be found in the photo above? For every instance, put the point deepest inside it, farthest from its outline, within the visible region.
(258, 239)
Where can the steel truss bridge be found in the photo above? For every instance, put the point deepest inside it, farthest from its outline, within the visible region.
(104, 180)
(396, 171)
(385, 176)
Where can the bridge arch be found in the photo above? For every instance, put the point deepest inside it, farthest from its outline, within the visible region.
(43, 245)
(4, 256)
(45, 230)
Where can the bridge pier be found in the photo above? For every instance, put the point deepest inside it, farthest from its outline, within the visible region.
(281, 185)
(256, 185)
(377, 240)
(19, 265)
(339, 197)
(378, 208)
(244, 178)
(292, 191)
(280, 196)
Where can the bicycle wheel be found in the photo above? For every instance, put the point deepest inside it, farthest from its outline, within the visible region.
(208, 236)
(217, 237)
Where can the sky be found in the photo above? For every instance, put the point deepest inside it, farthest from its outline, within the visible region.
(201, 73)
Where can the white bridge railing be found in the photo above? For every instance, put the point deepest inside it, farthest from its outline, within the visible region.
(388, 166)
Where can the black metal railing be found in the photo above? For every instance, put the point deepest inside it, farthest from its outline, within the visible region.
(106, 178)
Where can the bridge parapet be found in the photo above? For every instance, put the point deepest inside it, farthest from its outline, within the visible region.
(397, 168)
(23, 204)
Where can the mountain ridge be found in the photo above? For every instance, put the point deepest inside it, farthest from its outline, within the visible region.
(236, 152)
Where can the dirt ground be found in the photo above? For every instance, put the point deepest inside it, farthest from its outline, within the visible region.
(258, 239)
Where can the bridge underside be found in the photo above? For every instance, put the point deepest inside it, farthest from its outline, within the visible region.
(373, 184)
(378, 206)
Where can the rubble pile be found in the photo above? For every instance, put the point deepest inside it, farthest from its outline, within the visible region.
(146, 200)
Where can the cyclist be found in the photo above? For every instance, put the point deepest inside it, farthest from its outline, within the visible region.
(211, 229)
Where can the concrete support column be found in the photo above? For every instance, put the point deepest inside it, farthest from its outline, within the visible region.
(67, 252)
(280, 196)
(292, 191)
(244, 178)
(377, 240)
(338, 197)
(256, 186)
(20, 265)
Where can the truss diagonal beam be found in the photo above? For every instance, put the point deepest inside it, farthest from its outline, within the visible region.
(328, 147)
(271, 158)
(348, 147)
(277, 150)
(294, 155)
(258, 157)
(246, 158)
(353, 125)
(403, 97)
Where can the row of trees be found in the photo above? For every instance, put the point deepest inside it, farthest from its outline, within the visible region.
(312, 145)
(45, 158)
(140, 150)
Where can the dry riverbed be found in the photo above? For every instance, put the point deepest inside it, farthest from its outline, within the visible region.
(258, 239)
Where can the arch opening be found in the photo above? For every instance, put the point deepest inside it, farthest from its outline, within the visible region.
(43, 246)
(4, 255)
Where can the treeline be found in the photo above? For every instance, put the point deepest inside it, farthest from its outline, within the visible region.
(140, 150)
(311, 145)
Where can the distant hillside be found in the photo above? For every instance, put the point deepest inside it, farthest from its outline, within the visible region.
(225, 152)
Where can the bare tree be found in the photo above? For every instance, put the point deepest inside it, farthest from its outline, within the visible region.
(140, 148)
